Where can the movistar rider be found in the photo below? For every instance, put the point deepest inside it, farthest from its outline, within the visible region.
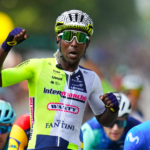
(7, 117)
(97, 137)
(58, 87)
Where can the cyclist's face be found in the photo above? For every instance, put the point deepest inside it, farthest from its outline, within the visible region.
(72, 51)
(3, 137)
(115, 132)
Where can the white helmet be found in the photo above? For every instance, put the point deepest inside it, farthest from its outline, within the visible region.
(124, 104)
(7, 114)
(74, 19)
(131, 82)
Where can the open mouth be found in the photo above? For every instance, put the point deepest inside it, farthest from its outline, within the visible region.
(73, 54)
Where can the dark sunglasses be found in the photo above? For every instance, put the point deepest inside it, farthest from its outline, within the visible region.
(120, 123)
(5, 129)
(68, 36)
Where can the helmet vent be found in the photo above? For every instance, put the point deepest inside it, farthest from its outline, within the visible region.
(0, 112)
(12, 114)
(70, 17)
(129, 106)
(76, 16)
(82, 18)
(123, 105)
(7, 111)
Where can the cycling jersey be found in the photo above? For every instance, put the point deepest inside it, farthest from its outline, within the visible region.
(57, 101)
(95, 137)
(138, 138)
(20, 133)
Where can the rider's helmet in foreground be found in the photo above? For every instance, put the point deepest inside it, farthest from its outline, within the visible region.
(7, 114)
(124, 104)
(74, 19)
(132, 82)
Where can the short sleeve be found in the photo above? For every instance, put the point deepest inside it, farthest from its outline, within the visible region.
(95, 102)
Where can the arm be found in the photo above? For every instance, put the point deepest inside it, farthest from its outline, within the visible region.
(105, 107)
(15, 37)
(107, 117)
(3, 55)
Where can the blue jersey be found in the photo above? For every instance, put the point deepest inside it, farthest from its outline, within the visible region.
(95, 137)
(138, 138)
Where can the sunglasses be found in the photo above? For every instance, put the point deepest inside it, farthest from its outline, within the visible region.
(68, 36)
(5, 129)
(120, 123)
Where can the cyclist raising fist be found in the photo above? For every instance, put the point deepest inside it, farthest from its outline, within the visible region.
(58, 87)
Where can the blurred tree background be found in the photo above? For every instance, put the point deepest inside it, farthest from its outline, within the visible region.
(38, 16)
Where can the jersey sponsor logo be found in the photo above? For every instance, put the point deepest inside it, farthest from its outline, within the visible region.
(56, 71)
(57, 78)
(60, 124)
(13, 144)
(23, 63)
(63, 107)
(64, 94)
(77, 82)
(85, 72)
(32, 99)
(56, 83)
(77, 77)
(132, 139)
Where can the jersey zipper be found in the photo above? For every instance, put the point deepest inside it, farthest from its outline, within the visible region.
(58, 144)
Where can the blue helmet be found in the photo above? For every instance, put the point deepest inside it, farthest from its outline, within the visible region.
(7, 113)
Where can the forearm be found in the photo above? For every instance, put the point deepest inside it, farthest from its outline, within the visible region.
(3, 55)
(107, 118)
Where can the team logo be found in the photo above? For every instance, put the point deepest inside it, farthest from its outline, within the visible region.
(13, 144)
(132, 139)
(57, 78)
(63, 107)
(85, 72)
(77, 77)
(64, 94)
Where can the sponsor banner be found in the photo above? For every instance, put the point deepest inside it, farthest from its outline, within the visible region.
(63, 107)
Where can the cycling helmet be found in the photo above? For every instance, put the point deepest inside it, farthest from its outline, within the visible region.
(7, 114)
(74, 19)
(124, 104)
(132, 82)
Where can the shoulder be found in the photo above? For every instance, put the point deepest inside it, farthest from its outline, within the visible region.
(138, 137)
(87, 71)
(23, 121)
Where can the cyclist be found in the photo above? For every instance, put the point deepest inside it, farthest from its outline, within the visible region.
(20, 133)
(58, 87)
(97, 137)
(7, 116)
(138, 138)
(132, 86)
